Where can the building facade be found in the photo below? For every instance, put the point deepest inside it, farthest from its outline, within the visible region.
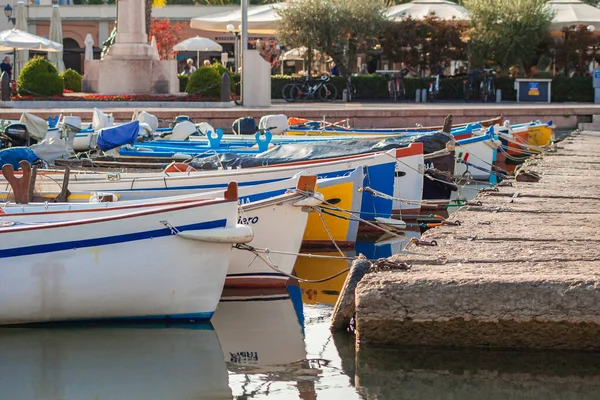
(98, 20)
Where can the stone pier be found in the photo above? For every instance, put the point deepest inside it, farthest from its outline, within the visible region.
(521, 271)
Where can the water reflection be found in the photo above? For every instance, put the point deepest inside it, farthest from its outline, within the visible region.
(262, 337)
(112, 362)
(274, 344)
(463, 374)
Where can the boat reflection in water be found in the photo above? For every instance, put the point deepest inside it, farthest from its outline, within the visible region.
(131, 362)
(317, 268)
(261, 332)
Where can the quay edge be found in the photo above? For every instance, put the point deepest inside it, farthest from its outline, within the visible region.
(362, 115)
(521, 271)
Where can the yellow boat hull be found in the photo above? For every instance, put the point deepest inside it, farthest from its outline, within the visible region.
(331, 223)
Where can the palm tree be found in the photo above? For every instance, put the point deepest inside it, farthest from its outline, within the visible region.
(150, 4)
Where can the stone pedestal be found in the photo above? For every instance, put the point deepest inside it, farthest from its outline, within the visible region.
(133, 76)
(131, 66)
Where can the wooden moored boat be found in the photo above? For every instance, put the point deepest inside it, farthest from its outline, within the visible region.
(161, 262)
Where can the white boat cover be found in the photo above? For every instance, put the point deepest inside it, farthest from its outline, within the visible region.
(276, 124)
(36, 126)
(147, 118)
(183, 130)
(51, 149)
(101, 120)
(205, 127)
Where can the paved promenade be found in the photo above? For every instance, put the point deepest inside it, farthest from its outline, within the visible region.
(522, 269)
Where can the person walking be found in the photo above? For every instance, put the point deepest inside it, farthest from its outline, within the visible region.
(5, 66)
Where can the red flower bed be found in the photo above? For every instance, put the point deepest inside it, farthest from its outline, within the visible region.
(122, 97)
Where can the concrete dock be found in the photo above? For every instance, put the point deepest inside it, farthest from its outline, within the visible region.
(521, 271)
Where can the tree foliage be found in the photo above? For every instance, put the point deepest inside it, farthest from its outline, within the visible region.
(422, 43)
(574, 50)
(338, 28)
(506, 32)
(167, 35)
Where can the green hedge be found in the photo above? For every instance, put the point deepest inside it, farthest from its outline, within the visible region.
(575, 89)
(374, 87)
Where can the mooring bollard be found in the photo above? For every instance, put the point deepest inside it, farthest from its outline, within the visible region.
(345, 305)
(5, 86)
(225, 87)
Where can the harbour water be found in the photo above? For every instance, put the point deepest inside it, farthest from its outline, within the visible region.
(274, 344)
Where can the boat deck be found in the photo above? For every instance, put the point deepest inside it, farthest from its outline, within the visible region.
(521, 271)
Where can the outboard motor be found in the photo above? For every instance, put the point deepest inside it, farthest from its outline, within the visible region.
(18, 135)
(72, 126)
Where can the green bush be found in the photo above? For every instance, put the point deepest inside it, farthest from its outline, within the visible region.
(40, 77)
(183, 81)
(222, 70)
(206, 81)
(71, 80)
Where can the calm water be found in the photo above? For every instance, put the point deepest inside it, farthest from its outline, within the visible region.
(274, 344)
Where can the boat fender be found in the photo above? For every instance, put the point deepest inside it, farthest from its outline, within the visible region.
(237, 234)
(179, 167)
(345, 307)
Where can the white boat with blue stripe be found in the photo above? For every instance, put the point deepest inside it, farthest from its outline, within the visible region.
(167, 262)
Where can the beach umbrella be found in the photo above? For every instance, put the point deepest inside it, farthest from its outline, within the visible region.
(198, 44)
(573, 12)
(89, 46)
(14, 39)
(21, 24)
(299, 53)
(261, 19)
(419, 9)
(56, 36)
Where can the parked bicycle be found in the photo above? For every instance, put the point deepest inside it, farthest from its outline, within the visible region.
(487, 87)
(434, 89)
(396, 88)
(319, 89)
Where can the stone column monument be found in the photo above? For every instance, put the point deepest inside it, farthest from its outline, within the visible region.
(131, 65)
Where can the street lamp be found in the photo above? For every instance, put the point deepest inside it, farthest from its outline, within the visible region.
(8, 12)
(236, 51)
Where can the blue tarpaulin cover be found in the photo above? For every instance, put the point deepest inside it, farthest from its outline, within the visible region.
(110, 138)
(14, 155)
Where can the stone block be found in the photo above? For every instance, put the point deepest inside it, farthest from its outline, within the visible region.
(142, 76)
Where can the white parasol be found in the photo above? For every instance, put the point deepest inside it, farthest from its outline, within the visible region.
(261, 19)
(14, 39)
(21, 24)
(573, 12)
(198, 44)
(419, 9)
(89, 47)
(56, 36)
